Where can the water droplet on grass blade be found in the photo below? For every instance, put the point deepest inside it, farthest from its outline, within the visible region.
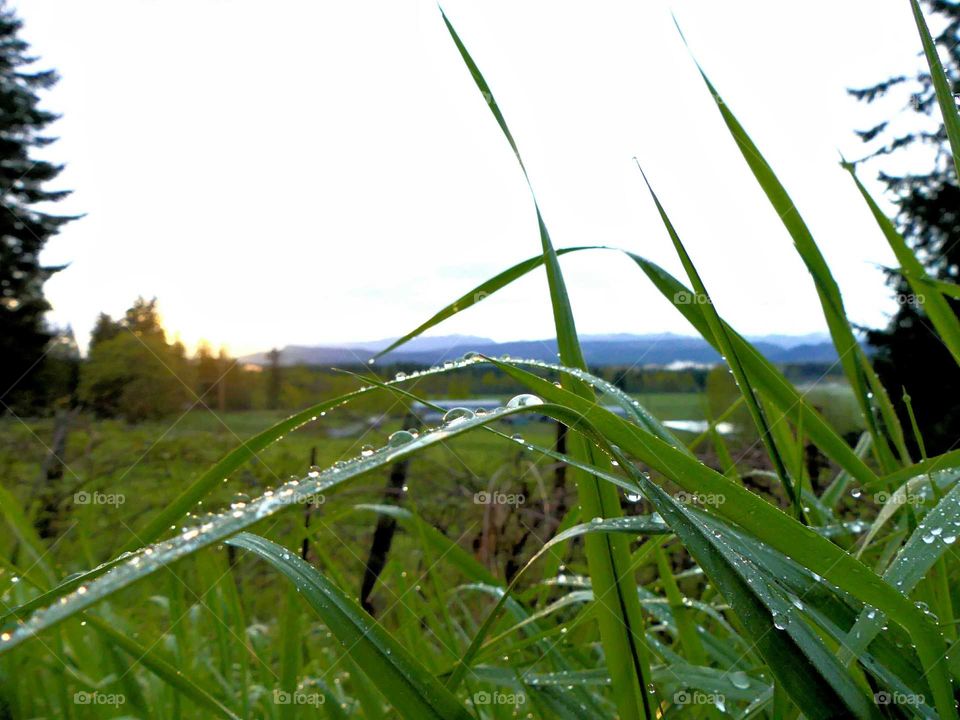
(457, 414)
(525, 400)
(400, 438)
(780, 622)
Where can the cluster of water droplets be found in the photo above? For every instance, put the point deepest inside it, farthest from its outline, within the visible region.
(945, 533)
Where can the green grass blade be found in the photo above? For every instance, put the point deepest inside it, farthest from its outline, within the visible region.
(928, 294)
(798, 660)
(931, 540)
(248, 449)
(480, 292)
(938, 463)
(948, 105)
(621, 626)
(838, 486)
(290, 639)
(414, 692)
(949, 289)
(722, 340)
(448, 549)
(132, 568)
(151, 660)
(852, 357)
(21, 528)
(763, 374)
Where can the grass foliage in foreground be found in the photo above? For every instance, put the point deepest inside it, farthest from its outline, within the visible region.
(806, 611)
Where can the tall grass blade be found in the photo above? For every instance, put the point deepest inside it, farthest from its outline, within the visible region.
(722, 340)
(930, 541)
(414, 692)
(945, 97)
(852, 358)
(167, 672)
(928, 293)
(621, 626)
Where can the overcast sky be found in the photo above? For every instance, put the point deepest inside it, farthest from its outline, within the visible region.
(315, 172)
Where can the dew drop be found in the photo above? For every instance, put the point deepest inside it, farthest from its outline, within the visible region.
(525, 400)
(780, 622)
(400, 438)
(457, 415)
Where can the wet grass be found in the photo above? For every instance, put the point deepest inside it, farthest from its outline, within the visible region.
(631, 580)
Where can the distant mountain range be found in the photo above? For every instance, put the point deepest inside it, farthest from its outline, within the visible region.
(662, 349)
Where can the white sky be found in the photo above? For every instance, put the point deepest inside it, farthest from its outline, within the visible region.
(315, 172)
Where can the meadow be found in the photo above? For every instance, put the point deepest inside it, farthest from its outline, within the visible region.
(618, 569)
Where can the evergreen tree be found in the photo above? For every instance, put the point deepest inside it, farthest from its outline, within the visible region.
(24, 229)
(909, 355)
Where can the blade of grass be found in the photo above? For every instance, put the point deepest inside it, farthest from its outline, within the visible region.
(764, 375)
(928, 543)
(414, 692)
(722, 339)
(928, 295)
(945, 98)
(852, 358)
(171, 675)
(621, 626)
